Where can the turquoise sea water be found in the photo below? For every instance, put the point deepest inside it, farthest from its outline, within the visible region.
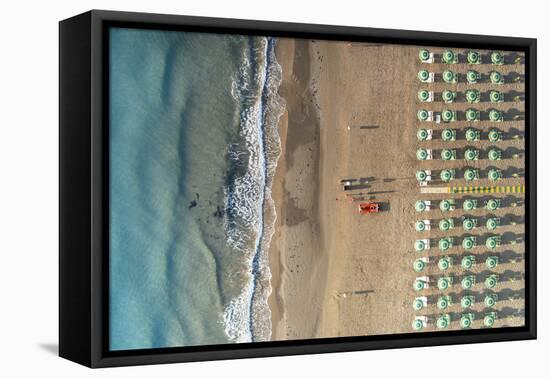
(193, 148)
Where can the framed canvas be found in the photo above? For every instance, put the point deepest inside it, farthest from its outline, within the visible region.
(234, 188)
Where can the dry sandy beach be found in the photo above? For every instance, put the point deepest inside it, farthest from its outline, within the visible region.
(336, 272)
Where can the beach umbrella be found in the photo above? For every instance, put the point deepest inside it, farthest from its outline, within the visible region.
(472, 135)
(419, 265)
(467, 301)
(443, 302)
(473, 76)
(422, 134)
(420, 206)
(448, 96)
(491, 281)
(493, 204)
(490, 300)
(447, 205)
(494, 174)
(473, 57)
(447, 175)
(419, 285)
(420, 245)
(473, 95)
(495, 135)
(469, 242)
(448, 135)
(491, 262)
(446, 224)
(496, 77)
(448, 115)
(494, 154)
(417, 324)
(472, 115)
(421, 154)
(418, 304)
(468, 262)
(422, 115)
(423, 75)
(450, 57)
(443, 321)
(492, 242)
(471, 174)
(466, 320)
(420, 226)
(447, 154)
(423, 95)
(497, 58)
(492, 223)
(489, 319)
(421, 175)
(443, 283)
(424, 55)
(495, 115)
(445, 243)
(444, 263)
(469, 224)
(471, 154)
(496, 96)
(469, 204)
(450, 76)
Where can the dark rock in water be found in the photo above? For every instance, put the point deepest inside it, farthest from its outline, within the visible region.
(219, 212)
(192, 204)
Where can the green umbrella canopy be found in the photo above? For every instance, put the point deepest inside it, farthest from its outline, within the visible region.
(469, 242)
(490, 300)
(448, 96)
(420, 226)
(467, 301)
(469, 204)
(448, 115)
(467, 262)
(422, 114)
(443, 322)
(488, 320)
(497, 57)
(449, 56)
(419, 265)
(470, 174)
(472, 135)
(473, 57)
(471, 153)
(492, 223)
(423, 95)
(495, 135)
(421, 154)
(423, 75)
(494, 174)
(495, 115)
(447, 154)
(468, 224)
(443, 283)
(496, 77)
(472, 76)
(491, 281)
(421, 175)
(422, 134)
(443, 302)
(446, 175)
(444, 263)
(418, 304)
(494, 154)
(420, 206)
(419, 245)
(491, 262)
(445, 205)
(466, 321)
(445, 224)
(418, 285)
(417, 325)
(448, 135)
(493, 204)
(423, 55)
(449, 76)
(445, 244)
(472, 95)
(472, 115)
(492, 242)
(495, 96)
(467, 282)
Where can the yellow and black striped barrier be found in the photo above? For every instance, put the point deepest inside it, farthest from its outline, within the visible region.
(487, 189)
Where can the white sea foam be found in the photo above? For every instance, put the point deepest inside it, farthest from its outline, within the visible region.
(249, 203)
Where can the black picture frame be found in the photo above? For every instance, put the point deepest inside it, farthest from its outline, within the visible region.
(83, 195)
